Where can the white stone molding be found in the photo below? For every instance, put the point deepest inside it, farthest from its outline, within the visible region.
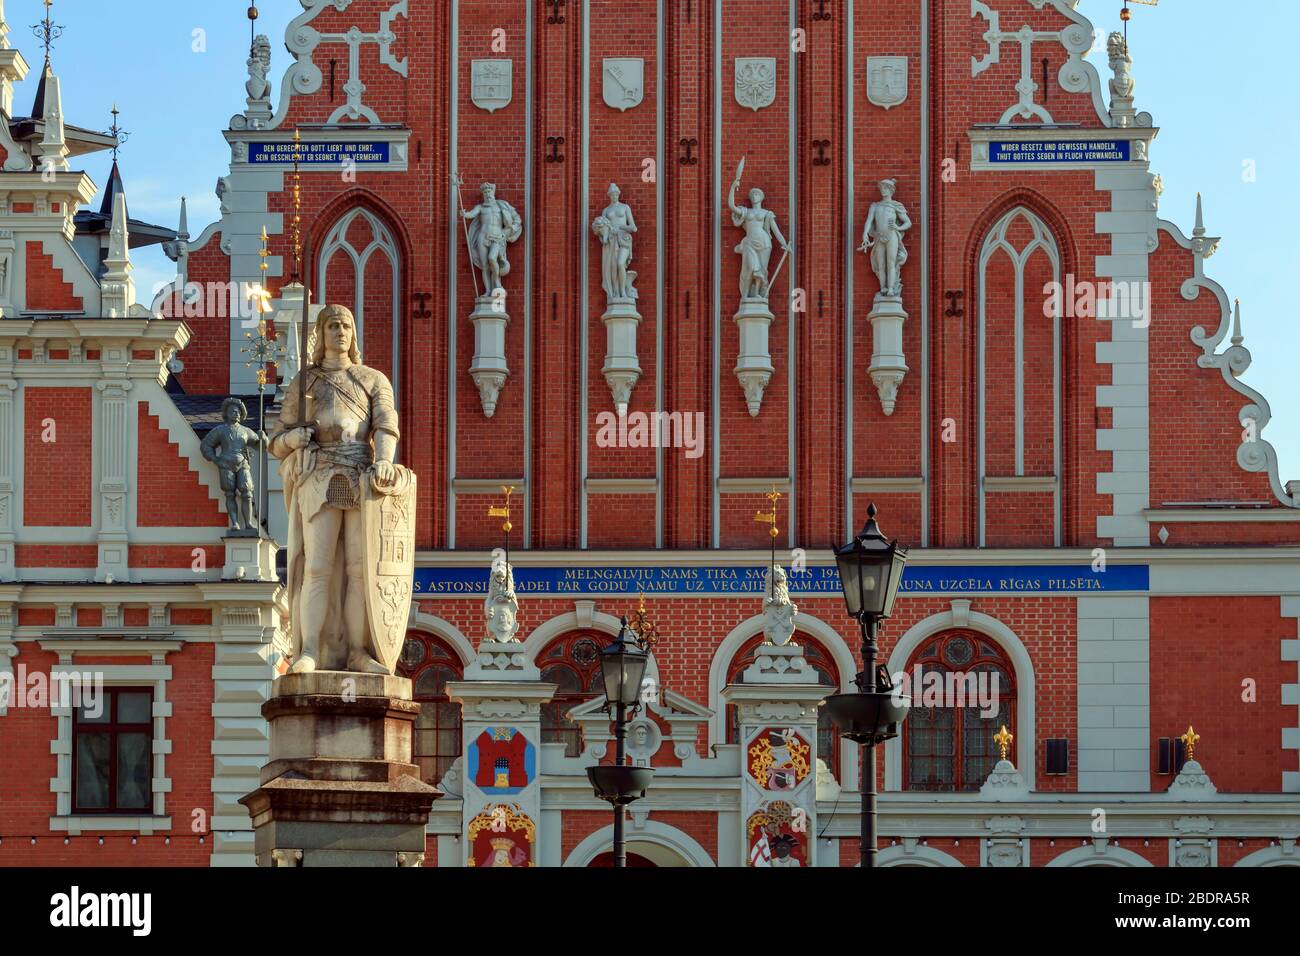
(10, 465)
(548, 630)
(156, 673)
(1191, 784)
(1005, 845)
(1252, 456)
(1076, 75)
(1101, 853)
(996, 243)
(1020, 660)
(664, 845)
(1113, 636)
(845, 663)
(304, 76)
(52, 151)
(1291, 692)
(1282, 855)
(912, 853)
(1131, 225)
(448, 633)
(1194, 847)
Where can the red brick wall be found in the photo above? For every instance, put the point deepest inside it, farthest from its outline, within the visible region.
(57, 474)
(1201, 651)
(46, 288)
(26, 803)
(168, 493)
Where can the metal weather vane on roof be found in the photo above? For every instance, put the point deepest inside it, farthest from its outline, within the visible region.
(47, 31)
(119, 135)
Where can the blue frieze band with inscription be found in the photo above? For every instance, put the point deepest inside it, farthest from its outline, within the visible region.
(704, 579)
(317, 154)
(1065, 151)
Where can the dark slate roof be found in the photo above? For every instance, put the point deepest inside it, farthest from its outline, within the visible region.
(111, 193)
(138, 233)
(203, 412)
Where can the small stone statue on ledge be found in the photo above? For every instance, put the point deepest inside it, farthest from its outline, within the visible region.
(229, 446)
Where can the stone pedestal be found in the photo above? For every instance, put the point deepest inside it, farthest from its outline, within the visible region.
(488, 368)
(622, 368)
(249, 557)
(340, 788)
(754, 364)
(888, 366)
(776, 708)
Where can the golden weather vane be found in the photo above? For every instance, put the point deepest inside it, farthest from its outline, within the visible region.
(769, 518)
(503, 511)
(1003, 739)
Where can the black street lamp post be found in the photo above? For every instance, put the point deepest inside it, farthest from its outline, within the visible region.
(622, 666)
(871, 568)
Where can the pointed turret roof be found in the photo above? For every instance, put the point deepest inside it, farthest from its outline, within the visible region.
(112, 191)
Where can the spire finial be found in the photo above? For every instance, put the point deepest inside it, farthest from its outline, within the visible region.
(183, 232)
(47, 31)
(1237, 338)
(119, 135)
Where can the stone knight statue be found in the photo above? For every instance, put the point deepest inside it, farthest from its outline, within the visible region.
(494, 224)
(229, 446)
(614, 228)
(882, 237)
(351, 509)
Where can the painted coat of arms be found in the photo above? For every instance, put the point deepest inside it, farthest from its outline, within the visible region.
(490, 84)
(623, 81)
(779, 758)
(887, 80)
(755, 81)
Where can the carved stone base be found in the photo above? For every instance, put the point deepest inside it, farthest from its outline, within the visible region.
(488, 368)
(340, 788)
(888, 365)
(498, 661)
(249, 558)
(1004, 783)
(622, 368)
(754, 364)
(1192, 783)
(783, 664)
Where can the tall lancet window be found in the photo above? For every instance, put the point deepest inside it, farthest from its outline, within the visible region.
(360, 267)
(1019, 384)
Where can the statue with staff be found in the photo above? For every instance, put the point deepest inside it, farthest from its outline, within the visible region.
(756, 248)
(490, 227)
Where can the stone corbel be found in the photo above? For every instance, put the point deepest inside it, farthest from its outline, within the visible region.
(754, 363)
(488, 368)
(622, 369)
(888, 365)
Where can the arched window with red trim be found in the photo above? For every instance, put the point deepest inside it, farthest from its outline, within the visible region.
(822, 664)
(572, 663)
(430, 664)
(946, 747)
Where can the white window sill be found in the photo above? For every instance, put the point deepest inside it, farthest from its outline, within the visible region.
(144, 825)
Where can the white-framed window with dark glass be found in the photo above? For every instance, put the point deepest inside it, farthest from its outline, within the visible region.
(572, 664)
(112, 753)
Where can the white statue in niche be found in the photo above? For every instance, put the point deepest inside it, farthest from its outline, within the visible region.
(614, 228)
(501, 606)
(882, 237)
(259, 65)
(494, 223)
(779, 611)
(756, 248)
(643, 741)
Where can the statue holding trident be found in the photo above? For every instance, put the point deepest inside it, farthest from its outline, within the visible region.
(493, 224)
(756, 248)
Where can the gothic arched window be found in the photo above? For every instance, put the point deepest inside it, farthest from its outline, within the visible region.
(822, 664)
(430, 664)
(1020, 299)
(360, 267)
(572, 663)
(948, 747)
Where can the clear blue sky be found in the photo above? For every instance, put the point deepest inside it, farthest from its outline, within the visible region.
(1220, 80)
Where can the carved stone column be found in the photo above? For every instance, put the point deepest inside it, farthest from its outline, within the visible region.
(776, 703)
(112, 436)
(488, 368)
(754, 363)
(622, 368)
(501, 721)
(888, 365)
(8, 440)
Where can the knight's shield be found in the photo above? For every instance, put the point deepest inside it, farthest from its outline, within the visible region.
(388, 523)
(755, 81)
(887, 80)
